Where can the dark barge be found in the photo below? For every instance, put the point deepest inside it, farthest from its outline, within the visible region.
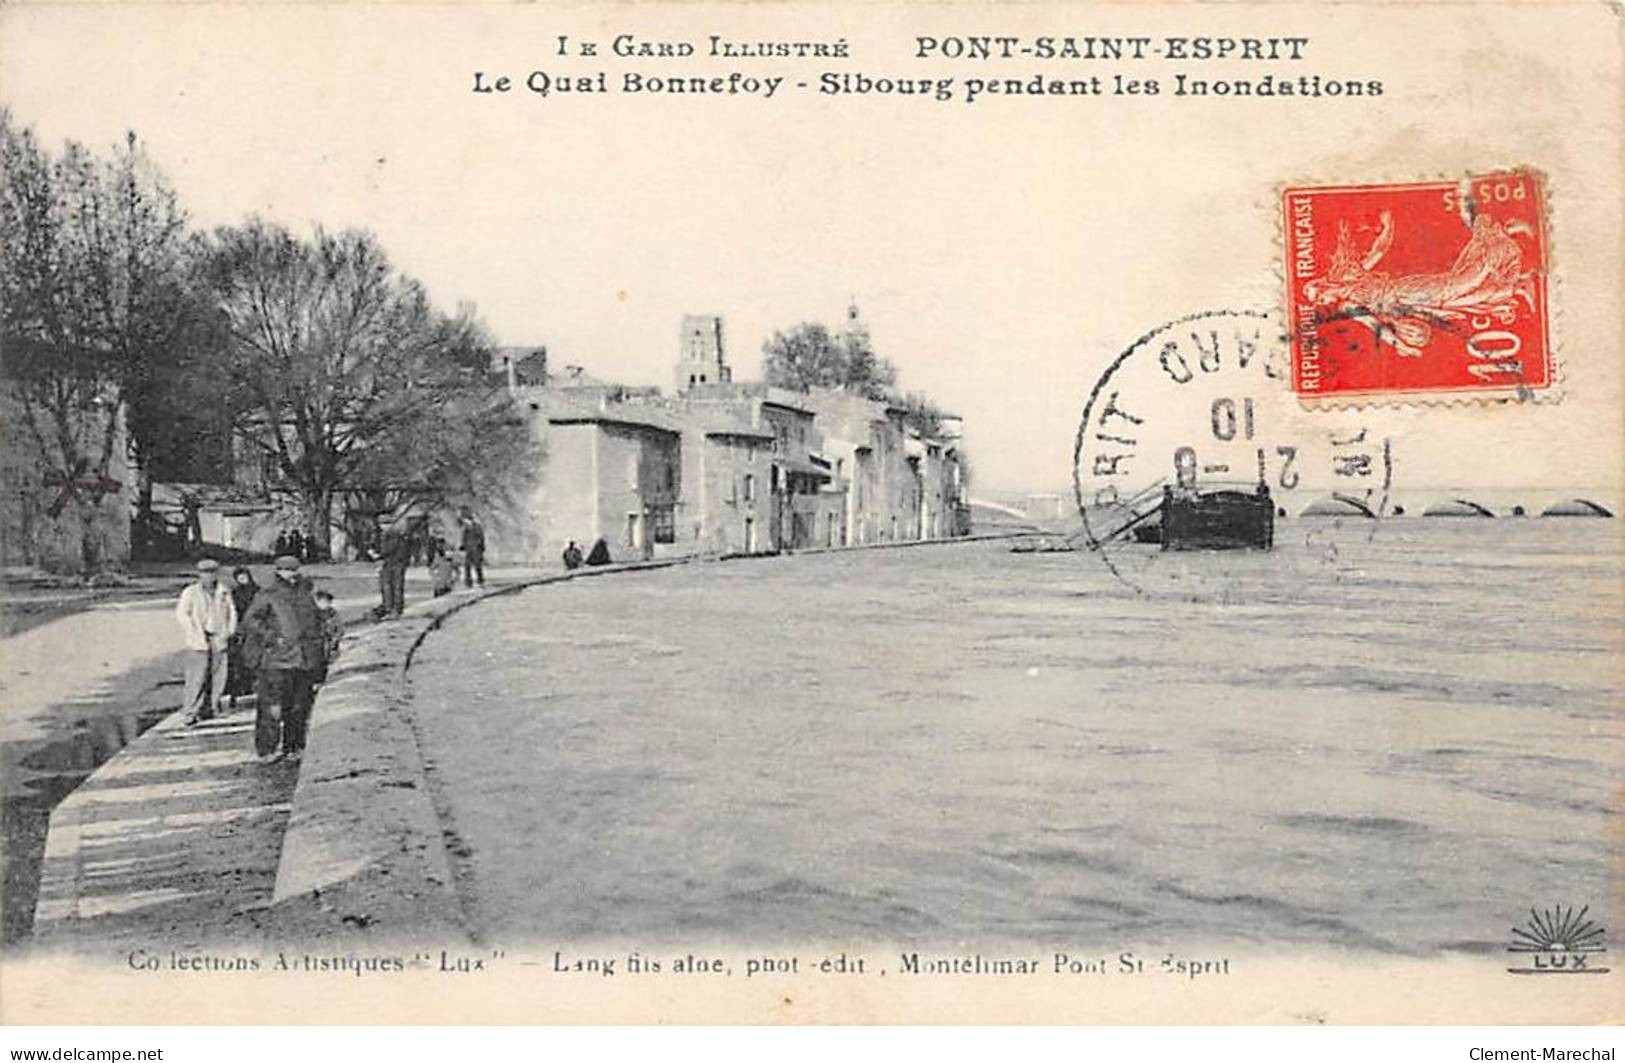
(1186, 515)
(1216, 519)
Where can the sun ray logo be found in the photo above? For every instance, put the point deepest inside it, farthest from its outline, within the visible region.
(1559, 941)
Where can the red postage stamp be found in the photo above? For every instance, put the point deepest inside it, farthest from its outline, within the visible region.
(1422, 290)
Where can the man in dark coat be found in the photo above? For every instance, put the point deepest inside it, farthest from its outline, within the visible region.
(473, 545)
(283, 641)
(393, 554)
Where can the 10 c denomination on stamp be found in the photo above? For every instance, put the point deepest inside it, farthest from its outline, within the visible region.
(1422, 290)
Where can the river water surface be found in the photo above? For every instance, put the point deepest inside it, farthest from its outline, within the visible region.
(1395, 738)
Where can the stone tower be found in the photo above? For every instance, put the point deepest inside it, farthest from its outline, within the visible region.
(701, 358)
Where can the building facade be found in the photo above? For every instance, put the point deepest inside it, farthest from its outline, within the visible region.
(723, 467)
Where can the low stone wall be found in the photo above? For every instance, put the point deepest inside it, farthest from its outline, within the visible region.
(366, 849)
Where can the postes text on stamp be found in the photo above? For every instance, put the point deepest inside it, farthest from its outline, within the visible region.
(1426, 290)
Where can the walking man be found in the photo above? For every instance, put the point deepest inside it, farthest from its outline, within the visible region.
(284, 635)
(393, 554)
(473, 544)
(208, 619)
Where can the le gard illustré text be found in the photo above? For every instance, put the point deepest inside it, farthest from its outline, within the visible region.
(951, 46)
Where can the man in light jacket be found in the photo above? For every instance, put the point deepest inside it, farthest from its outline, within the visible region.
(208, 619)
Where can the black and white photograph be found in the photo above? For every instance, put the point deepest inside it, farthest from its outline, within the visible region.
(811, 514)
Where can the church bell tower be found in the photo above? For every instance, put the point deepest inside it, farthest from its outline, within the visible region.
(701, 358)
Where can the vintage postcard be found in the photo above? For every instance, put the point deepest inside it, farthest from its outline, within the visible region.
(812, 513)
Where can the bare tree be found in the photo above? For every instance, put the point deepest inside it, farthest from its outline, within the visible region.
(92, 300)
(350, 380)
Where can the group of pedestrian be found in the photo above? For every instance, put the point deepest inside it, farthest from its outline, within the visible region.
(598, 555)
(279, 639)
(296, 543)
(401, 545)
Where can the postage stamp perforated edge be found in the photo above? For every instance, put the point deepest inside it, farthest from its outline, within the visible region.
(1553, 274)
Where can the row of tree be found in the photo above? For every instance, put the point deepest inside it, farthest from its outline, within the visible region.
(313, 350)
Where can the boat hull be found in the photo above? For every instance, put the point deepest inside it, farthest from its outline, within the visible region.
(1218, 520)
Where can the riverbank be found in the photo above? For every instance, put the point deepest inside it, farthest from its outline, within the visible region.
(90, 679)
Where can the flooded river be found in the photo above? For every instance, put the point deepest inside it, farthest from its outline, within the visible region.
(1394, 738)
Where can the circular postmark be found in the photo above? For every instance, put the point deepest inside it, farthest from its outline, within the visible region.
(1191, 442)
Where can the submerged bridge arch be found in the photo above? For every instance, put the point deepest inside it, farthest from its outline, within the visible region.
(1338, 505)
(1458, 507)
(997, 507)
(1576, 507)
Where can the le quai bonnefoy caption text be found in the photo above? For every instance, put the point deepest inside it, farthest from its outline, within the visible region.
(968, 69)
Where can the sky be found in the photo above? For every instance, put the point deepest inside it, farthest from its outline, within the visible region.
(1001, 253)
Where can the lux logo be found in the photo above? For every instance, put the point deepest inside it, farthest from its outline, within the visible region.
(1559, 941)
(1557, 961)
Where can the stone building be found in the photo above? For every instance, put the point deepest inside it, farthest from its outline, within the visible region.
(864, 442)
(47, 509)
(612, 469)
(930, 462)
(724, 467)
(702, 359)
(728, 505)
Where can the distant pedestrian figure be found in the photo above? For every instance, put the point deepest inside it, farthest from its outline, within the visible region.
(393, 552)
(296, 545)
(572, 555)
(240, 677)
(473, 545)
(442, 571)
(423, 542)
(332, 633)
(281, 542)
(599, 554)
(283, 642)
(208, 619)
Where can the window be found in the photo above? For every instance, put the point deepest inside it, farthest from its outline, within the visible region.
(750, 487)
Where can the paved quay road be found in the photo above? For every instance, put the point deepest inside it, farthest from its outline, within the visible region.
(1380, 747)
(82, 687)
